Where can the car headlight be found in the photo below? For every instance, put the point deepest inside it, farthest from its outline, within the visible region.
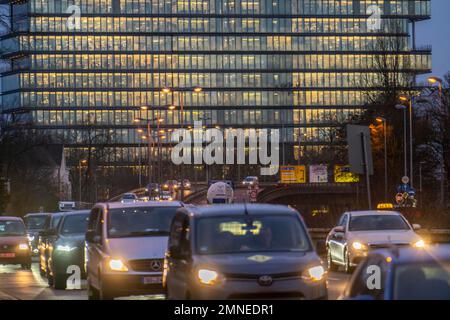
(30, 237)
(419, 244)
(117, 265)
(23, 246)
(208, 277)
(358, 245)
(65, 248)
(316, 273)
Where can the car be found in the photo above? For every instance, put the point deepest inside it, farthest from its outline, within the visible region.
(170, 185)
(229, 182)
(153, 190)
(250, 181)
(405, 273)
(67, 248)
(129, 197)
(44, 239)
(359, 232)
(14, 246)
(186, 184)
(166, 195)
(125, 246)
(241, 252)
(35, 223)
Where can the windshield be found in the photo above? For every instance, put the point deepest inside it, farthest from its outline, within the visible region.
(10, 228)
(35, 222)
(422, 281)
(139, 222)
(75, 224)
(218, 235)
(129, 196)
(377, 222)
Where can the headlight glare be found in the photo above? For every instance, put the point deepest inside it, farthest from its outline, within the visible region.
(316, 273)
(358, 245)
(23, 246)
(419, 244)
(206, 276)
(65, 248)
(117, 265)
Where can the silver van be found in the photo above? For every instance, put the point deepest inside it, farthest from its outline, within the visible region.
(125, 246)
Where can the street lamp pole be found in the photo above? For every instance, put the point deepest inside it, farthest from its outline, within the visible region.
(402, 107)
(384, 122)
(80, 163)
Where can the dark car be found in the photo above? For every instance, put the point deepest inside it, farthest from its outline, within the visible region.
(35, 222)
(14, 247)
(153, 190)
(241, 252)
(68, 248)
(402, 273)
(45, 237)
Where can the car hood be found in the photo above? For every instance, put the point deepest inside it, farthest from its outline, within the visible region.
(264, 263)
(75, 240)
(382, 237)
(13, 240)
(137, 248)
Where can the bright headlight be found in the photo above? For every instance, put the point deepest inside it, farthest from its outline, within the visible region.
(207, 276)
(65, 248)
(117, 265)
(23, 246)
(358, 245)
(30, 238)
(316, 273)
(419, 244)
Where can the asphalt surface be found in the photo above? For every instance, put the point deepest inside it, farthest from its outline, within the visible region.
(18, 284)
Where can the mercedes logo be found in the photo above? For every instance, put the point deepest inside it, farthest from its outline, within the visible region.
(5, 246)
(156, 265)
(265, 281)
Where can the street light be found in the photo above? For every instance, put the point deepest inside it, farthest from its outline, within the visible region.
(409, 99)
(168, 90)
(402, 107)
(384, 122)
(80, 163)
(434, 80)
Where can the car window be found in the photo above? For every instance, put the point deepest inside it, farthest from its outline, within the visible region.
(377, 222)
(343, 220)
(422, 281)
(74, 224)
(93, 221)
(36, 222)
(176, 231)
(218, 235)
(140, 221)
(10, 228)
(54, 221)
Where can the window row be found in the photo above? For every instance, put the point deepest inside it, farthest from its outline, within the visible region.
(404, 7)
(205, 80)
(118, 99)
(213, 43)
(225, 25)
(226, 61)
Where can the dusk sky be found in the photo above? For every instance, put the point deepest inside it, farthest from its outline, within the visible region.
(437, 33)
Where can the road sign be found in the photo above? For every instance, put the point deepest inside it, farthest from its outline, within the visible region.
(405, 180)
(253, 195)
(293, 174)
(342, 174)
(318, 174)
(355, 149)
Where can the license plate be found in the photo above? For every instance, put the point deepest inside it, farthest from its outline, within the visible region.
(152, 280)
(7, 255)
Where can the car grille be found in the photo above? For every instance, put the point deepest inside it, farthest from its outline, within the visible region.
(7, 248)
(266, 295)
(147, 265)
(279, 276)
(387, 245)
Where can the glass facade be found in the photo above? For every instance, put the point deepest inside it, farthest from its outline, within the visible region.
(299, 65)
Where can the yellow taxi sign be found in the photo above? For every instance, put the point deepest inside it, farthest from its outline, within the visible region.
(385, 206)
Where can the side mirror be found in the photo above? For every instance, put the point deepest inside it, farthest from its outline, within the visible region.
(92, 237)
(416, 226)
(321, 247)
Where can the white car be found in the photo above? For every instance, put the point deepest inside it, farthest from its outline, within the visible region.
(129, 198)
(358, 232)
(250, 181)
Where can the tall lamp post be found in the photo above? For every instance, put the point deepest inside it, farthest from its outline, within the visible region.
(80, 163)
(384, 122)
(409, 100)
(436, 80)
(168, 90)
(405, 166)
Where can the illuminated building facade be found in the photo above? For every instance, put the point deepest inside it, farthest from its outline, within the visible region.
(297, 65)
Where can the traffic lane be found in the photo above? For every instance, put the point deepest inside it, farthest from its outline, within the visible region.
(19, 284)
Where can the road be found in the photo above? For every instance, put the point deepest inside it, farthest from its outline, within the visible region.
(18, 284)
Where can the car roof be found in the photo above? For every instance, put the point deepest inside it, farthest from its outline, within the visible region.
(239, 209)
(4, 218)
(401, 255)
(373, 212)
(120, 205)
(72, 213)
(36, 214)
